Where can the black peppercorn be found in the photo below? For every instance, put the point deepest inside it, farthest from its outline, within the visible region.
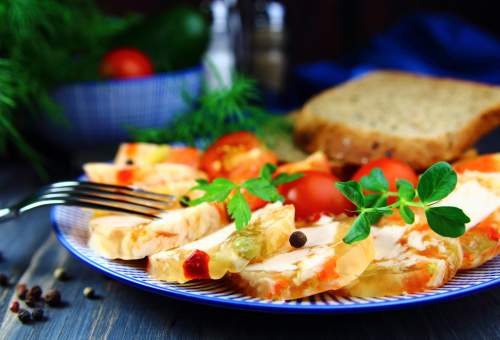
(34, 293)
(22, 290)
(37, 314)
(30, 302)
(4, 280)
(129, 162)
(53, 298)
(24, 316)
(297, 239)
(184, 201)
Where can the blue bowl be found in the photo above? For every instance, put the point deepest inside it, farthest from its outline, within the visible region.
(100, 112)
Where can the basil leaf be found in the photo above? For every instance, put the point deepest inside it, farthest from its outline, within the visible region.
(239, 210)
(262, 189)
(407, 214)
(285, 178)
(373, 217)
(267, 171)
(405, 190)
(217, 191)
(447, 221)
(352, 190)
(359, 230)
(436, 182)
(375, 181)
(375, 200)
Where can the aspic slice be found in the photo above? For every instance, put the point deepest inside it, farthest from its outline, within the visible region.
(129, 237)
(408, 259)
(324, 263)
(226, 250)
(168, 178)
(478, 195)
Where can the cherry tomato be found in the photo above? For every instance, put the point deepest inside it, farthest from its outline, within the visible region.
(125, 63)
(238, 156)
(185, 155)
(315, 193)
(393, 169)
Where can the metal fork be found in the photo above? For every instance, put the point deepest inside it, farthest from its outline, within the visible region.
(95, 196)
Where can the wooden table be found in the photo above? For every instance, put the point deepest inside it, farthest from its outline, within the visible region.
(31, 253)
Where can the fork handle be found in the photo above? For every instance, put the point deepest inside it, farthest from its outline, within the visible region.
(7, 214)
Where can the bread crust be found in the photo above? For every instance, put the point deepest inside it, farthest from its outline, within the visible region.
(355, 145)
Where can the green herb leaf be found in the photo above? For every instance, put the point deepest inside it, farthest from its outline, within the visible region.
(201, 181)
(262, 189)
(360, 229)
(375, 181)
(239, 210)
(375, 200)
(217, 191)
(267, 171)
(352, 190)
(217, 112)
(405, 190)
(373, 217)
(447, 221)
(286, 178)
(407, 214)
(436, 182)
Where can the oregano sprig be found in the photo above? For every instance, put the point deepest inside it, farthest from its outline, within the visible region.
(434, 184)
(264, 187)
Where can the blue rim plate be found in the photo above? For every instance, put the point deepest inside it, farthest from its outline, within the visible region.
(70, 225)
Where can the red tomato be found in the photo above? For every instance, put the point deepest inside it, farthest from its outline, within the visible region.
(315, 193)
(185, 155)
(238, 156)
(125, 63)
(393, 169)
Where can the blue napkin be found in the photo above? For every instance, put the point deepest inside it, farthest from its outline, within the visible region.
(433, 44)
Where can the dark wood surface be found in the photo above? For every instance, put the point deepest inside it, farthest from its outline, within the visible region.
(31, 253)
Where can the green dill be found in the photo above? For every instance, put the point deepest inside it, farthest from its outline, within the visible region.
(218, 112)
(44, 44)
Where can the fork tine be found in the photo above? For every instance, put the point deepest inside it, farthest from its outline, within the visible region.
(86, 204)
(123, 190)
(111, 195)
(101, 199)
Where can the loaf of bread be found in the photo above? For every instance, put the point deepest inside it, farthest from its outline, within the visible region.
(414, 118)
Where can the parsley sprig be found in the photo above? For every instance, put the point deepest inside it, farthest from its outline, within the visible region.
(434, 184)
(264, 187)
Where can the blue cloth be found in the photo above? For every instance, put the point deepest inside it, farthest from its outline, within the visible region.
(433, 44)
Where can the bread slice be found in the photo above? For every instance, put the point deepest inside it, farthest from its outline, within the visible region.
(414, 118)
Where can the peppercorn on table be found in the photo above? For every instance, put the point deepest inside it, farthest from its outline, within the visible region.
(95, 307)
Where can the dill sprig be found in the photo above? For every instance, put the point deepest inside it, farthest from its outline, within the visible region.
(44, 44)
(218, 112)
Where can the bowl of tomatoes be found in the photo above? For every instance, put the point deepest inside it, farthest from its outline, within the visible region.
(129, 95)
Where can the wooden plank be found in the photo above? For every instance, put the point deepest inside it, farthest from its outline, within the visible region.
(19, 238)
